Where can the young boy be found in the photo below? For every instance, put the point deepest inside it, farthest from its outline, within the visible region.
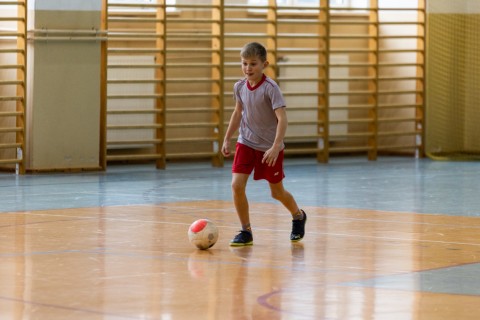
(260, 117)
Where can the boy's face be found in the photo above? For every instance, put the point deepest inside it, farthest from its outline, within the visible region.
(252, 68)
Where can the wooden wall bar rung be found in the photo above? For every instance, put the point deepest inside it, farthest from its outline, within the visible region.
(12, 50)
(10, 161)
(136, 5)
(350, 149)
(310, 108)
(419, 9)
(352, 79)
(300, 64)
(303, 122)
(11, 82)
(192, 139)
(334, 9)
(398, 147)
(11, 129)
(303, 94)
(397, 78)
(134, 81)
(352, 22)
(301, 151)
(299, 21)
(133, 50)
(135, 66)
(352, 107)
(13, 3)
(193, 95)
(352, 121)
(135, 142)
(146, 35)
(352, 50)
(16, 19)
(12, 66)
(192, 125)
(191, 21)
(194, 6)
(407, 50)
(135, 111)
(192, 110)
(190, 36)
(386, 37)
(191, 155)
(243, 7)
(392, 92)
(300, 36)
(291, 79)
(10, 145)
(352, 135)
(187, 50)
(400, 23)
(12, 34)
(137, 20)
(75, 39)
(351, 37)
(352, 93)
(135, 96)
(13, 98)
(191, 80)
(134, 127)
(399, 133)
(192, 65)
(398, 120)
(292, 138)
(135, 157)
(394, 106)
(304, 8)
(11, 113)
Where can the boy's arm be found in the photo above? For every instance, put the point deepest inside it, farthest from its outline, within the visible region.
(233, 126)
(270, 156)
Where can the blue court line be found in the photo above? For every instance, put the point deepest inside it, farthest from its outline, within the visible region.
(455, 280)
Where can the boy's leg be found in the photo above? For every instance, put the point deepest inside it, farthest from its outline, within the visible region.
(279, 193)
(299, 217)
(239, 184)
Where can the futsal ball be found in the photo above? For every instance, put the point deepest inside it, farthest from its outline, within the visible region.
(203, 234)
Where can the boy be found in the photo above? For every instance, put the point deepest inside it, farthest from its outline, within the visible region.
(260, 117)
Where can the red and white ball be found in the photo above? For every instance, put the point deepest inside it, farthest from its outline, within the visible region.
(203, 234)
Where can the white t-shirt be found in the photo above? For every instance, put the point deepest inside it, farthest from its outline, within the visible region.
(258, 126)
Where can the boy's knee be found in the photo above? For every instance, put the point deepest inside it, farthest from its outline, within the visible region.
(238, 187)
(277, 194)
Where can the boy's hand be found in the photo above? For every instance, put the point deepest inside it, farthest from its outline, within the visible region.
(226, 149)
(270, 156)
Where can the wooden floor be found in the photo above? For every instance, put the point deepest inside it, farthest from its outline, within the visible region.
(128, 256)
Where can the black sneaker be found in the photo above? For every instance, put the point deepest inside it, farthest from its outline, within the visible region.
(298, 228)
(244, 238)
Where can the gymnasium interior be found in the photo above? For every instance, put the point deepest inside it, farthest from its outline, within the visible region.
(112, 118)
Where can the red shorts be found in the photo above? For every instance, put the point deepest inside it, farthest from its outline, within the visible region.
(246, 159)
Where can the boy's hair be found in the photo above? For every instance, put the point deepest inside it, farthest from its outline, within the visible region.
(253, 50)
